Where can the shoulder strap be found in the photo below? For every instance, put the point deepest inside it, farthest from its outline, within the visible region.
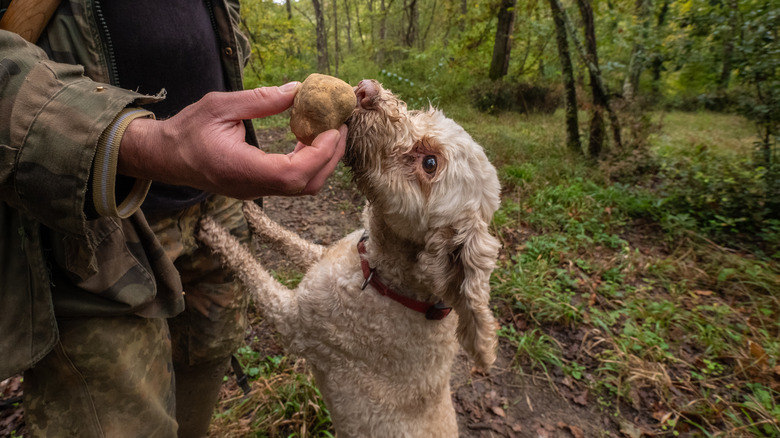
(28, 17)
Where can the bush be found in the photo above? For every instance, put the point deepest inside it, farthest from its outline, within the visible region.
(728, 198)
(521, 97)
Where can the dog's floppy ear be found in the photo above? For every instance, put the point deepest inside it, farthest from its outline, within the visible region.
(459, 260)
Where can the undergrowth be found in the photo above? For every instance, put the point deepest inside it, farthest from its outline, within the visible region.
(678, 306)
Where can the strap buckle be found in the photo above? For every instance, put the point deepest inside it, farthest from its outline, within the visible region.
(368, 279)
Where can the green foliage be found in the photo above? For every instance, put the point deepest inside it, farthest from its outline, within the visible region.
(494, 97)
(282, 49)
(284, 401)
(662, 307)
(534, 346)
(723, 196)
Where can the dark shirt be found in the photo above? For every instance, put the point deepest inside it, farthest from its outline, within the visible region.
(169, 45)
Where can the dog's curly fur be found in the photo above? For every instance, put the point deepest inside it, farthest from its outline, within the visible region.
(383, 369)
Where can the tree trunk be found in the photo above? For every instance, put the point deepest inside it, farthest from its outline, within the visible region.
(728, 46)
(638, 55)
(502, 47)
(428, 27)
(371, 21)
(658, 59)
(359, 27)
(380, 55)
(349, 25)
(412, 28)
(596, 140)
(570, 94)
(593, 69)
(323, 66)
(336, 35)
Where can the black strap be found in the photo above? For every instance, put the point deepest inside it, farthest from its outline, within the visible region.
(241, 378)
(10, 402)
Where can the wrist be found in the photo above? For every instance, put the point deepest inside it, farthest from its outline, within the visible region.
(134, 149)
(105, 168)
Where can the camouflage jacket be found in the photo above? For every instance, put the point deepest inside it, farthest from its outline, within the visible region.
(55, 101)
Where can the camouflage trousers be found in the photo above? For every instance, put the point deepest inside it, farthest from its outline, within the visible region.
(116, 376)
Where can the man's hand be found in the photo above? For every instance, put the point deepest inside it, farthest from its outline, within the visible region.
(203, 147)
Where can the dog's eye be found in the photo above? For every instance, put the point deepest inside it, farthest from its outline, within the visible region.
(429, 163)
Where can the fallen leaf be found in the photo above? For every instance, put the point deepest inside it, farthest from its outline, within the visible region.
(758, 353)
(543, 432)
(704, 293)
(661, 416)
(581, 399)
(498, 411)
(576, 431)
(630, 430)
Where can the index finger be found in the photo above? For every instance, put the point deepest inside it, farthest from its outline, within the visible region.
(255, 103)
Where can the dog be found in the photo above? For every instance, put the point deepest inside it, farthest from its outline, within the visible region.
(372, 314)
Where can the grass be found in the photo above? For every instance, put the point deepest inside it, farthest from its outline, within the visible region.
(682, 330)
(283, 401)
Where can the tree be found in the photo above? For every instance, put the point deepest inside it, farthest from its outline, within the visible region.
(502, 47)
(336, 49)
(413, 22)
(596, 138)
(658, 56)
(349, 24)
(570, 93)
(595, 74)
(728, 45)
(323, 66)
(638, 53)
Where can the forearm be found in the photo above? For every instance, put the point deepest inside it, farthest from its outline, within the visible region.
(203, 147)
(51, 118)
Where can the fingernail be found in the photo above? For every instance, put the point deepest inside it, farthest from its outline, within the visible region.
(290, 86)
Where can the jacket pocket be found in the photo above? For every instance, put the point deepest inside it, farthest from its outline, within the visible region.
(124, 272)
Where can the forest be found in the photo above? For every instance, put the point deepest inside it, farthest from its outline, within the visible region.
(637, 288)
(637, 146)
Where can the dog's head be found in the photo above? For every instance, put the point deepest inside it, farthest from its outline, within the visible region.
(433, 186)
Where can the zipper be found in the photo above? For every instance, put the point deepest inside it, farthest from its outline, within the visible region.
(210, 8)
(230, 82)
(108, 47)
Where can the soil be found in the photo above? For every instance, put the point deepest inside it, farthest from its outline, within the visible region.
(507, 402)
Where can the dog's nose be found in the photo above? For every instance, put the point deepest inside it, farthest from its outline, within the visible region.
(366, 92)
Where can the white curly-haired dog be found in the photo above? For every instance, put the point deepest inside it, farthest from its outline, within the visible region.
(370, 316)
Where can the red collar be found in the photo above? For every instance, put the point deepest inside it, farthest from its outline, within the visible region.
(433, 311)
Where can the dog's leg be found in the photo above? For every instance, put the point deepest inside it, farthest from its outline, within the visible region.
(277, 301)
(300, 252)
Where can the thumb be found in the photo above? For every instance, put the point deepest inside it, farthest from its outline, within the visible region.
(255, 103)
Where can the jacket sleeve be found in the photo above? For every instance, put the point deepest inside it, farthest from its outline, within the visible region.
(51, 118)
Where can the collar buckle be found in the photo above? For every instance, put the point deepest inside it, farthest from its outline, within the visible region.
(368, 278)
